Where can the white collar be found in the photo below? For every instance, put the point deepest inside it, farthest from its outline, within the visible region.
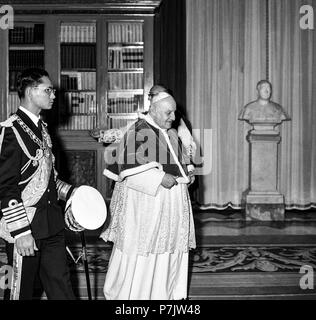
(31, 115)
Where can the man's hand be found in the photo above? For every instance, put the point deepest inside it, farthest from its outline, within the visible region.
(25, 245)
(169, 181)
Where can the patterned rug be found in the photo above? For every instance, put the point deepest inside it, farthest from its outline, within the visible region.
(215, 259)
(222, 259)
(232, 272)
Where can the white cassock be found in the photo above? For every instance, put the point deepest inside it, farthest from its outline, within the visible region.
(152, 230)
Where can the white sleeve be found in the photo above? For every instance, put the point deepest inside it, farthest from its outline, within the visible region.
(187, 139)
(147, 182)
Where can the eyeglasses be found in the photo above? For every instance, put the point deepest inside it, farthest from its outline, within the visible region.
(48, 91)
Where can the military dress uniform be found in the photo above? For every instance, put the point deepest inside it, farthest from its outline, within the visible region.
(29, 204)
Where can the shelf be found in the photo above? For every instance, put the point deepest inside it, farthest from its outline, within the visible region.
(131, 70)
(26, 47)
(67, 72)
(123, 115)
(74, 90)
(134, 45)
(128, 93)
(79, 70)
(136, 91)
(76, 44)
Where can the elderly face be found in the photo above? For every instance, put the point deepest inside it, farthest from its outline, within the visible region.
(163, 113)
(264, 91)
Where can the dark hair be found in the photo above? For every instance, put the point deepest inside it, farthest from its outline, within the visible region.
(29, 78)
(262, 82)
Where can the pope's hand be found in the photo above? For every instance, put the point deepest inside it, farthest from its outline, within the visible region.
(169, 181)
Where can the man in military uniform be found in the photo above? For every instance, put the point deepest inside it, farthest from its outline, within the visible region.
(32, 222)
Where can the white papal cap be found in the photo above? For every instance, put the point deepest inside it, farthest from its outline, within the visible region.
(163, 97)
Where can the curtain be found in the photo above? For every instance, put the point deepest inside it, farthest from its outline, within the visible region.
(231, 45)
(225, 60)
(292, 71)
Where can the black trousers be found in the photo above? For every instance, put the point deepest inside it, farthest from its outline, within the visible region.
(50, 264)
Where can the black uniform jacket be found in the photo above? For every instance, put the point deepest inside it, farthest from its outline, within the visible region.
(48, 219)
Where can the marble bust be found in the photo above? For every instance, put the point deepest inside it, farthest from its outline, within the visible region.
(263, 110)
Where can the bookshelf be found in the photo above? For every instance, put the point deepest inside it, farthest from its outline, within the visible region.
(125, 56)
(78, 106)
(26, 50)
(100, 58)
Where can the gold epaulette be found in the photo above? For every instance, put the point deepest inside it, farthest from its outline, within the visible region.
(6, 124)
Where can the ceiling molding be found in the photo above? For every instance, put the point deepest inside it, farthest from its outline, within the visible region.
(83, 6)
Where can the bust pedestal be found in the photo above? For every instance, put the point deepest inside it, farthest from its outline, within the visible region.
(263, 201)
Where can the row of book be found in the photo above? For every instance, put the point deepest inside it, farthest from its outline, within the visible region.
(126, 58)
(125, 32)
(78, 56)
(29, 33)
(78, 80)
(26, 59)
(80, 102)
(79, 32)
(80, 122)
(117, 32)
(125, 105)
(120, 81)
(118, 123)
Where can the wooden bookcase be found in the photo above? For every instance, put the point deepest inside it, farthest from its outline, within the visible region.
(78, 105)
(100, 58)
(26, 50)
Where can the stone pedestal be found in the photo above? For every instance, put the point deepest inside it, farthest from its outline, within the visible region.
(263, 201)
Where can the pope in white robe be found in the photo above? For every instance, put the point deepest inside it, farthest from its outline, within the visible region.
(151, 221)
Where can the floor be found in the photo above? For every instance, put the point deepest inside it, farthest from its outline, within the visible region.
(234, 259)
